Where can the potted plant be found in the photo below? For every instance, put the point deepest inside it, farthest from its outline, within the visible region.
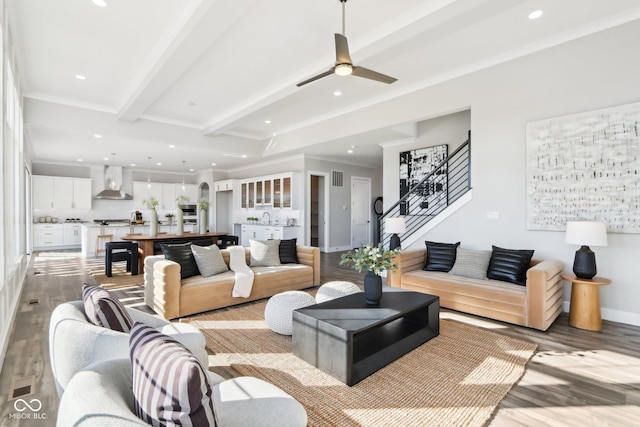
(203, 205)
(183, 200)
(152, 203)
(169, 217)
(374, 259)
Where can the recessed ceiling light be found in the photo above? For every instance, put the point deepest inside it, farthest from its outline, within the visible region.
(172, 146)
(133, 165)
(191, 169)
(337, 93)
(80, 160)
(158, 164)
(268, 121)
(213, 164)
(349, 151)
(535, 14)
(80, 77)
(105, 158)
(97, 135)
(100, 3)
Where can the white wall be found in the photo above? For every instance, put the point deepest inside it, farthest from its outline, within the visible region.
(13, 257)
(595, 72)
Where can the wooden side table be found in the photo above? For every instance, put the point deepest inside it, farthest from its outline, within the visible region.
(584, 312)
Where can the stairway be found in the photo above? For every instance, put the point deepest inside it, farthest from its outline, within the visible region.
(443, 190)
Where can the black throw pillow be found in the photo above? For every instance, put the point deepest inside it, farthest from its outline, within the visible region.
(509, 265)
(182, 254)
(440, 256)
(288, 252)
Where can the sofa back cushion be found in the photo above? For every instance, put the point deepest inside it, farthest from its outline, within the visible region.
(509, 265)
(471, 263)
(440, 256)
(209, 260)
(103, 310)
(264, 253)
(170, 386)
(288, 251)
(181, 253)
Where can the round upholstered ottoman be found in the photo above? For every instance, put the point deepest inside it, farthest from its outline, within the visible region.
(279, 309)
(337, 289)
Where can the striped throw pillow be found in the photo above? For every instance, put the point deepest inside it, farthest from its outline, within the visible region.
(264, 253)
(170, 386)
(103, 310)
(209, 260)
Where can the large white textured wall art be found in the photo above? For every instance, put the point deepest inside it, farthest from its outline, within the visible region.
(585, 167)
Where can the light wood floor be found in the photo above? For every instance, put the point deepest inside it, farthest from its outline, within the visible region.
(576, 378)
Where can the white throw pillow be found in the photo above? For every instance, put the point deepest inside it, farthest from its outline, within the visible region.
(264, 253)
(209, 260)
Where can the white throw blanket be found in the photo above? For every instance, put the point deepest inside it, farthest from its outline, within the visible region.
(244, 275)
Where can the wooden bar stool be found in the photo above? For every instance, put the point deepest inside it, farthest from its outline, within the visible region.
(100, 237)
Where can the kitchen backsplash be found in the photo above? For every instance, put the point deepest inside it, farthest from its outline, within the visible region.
(279, 216)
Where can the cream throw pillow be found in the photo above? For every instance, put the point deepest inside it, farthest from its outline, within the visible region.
(264, 253)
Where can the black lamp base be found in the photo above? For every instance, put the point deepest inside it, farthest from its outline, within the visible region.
(584, 264)
(394, 242)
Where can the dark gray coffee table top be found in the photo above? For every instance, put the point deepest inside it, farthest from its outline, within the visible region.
(350, 340)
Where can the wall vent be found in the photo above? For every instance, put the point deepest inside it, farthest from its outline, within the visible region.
(337, 178)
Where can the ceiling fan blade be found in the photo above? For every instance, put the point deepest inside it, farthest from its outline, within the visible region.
(372, 75)
(314, 78)
(342, 50)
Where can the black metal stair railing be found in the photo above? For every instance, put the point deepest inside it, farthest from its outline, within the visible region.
(441, 187)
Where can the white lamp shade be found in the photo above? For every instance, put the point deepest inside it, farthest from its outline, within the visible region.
(394, 225)
(588, 233)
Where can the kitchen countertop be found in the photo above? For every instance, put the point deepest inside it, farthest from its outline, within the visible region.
(267, 225)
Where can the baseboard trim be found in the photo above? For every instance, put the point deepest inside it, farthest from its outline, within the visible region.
(340, 249)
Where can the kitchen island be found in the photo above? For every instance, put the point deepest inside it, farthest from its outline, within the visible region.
(90, 231)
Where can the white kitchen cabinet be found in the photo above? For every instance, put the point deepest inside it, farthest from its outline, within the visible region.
(266, 232)
(61, 193)
(42, 192)
(226, 185)
(72, 235)
(47, 236)
(165, 193)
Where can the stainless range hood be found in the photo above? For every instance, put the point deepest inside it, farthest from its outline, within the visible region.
(112, 184)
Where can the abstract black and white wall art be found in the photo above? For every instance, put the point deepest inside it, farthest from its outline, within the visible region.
(585, 167)
(414, 166)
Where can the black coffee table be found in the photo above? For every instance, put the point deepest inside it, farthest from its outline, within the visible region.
(349, 340)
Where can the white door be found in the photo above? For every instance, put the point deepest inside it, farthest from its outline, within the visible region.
(360, 211)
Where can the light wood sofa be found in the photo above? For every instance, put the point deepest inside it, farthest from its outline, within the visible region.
(535, 305)
(171, 297)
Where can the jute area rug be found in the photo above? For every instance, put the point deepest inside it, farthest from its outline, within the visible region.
(120, 278)
(456, 379)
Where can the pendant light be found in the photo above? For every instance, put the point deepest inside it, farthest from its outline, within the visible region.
(148, 173)
(184, 188)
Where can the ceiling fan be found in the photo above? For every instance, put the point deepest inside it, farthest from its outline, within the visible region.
(344, 66)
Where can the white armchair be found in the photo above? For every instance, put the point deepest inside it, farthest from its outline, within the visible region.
(75, 343)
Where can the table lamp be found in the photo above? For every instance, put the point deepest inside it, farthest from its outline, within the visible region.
(585, 233)
(394, 226)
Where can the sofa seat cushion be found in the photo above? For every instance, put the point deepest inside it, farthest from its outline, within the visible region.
(198, 294)
(482, 297)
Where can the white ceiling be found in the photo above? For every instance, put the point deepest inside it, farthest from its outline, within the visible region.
(204, 75)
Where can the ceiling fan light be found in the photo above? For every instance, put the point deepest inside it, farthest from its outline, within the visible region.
(343, 69)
